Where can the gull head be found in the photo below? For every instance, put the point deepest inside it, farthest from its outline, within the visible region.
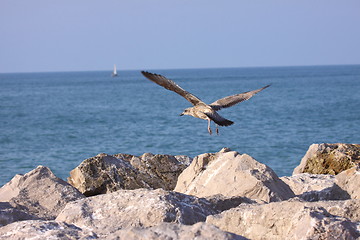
(186, 112)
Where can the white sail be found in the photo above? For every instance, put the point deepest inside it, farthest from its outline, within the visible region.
(115, 69)
(114, 73)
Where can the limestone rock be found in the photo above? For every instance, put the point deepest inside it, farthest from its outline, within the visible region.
(287, 220)
(348, 209)
(105, 173)
(107, 213)
(315, 187)
(40, 230)
(231, 174)
(349, 180)
(221, 203)
(173, 231)
(8, 214)
(39, 193)
(327, 158)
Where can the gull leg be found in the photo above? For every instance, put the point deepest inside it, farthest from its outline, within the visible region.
(217, 129)
(209, 129)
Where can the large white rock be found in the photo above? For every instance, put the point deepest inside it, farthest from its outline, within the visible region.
(291, 220)
(39, 230)
(173, 231)
(315, 187)
(349, 180)
(232, 174)
(39, 193)
(107, 213)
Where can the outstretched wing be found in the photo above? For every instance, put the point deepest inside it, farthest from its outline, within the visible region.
(234, 99)
(172, 86)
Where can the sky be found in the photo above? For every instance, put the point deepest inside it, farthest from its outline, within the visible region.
(87, 35)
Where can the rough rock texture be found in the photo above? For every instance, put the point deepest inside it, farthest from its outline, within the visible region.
(221, 203)
(288, 220)
(8, 214)
(105, 173)
(173, 231)
(349, 180)
(327, 158)
(232, 174)
(39, 193)
(315, 187)
(33, 229)
(348, 209)
(141, 207)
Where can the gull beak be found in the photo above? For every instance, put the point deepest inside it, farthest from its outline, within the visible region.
(181, 114)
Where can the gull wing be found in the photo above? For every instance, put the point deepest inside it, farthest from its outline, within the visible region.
(172, 86)
(234, 99)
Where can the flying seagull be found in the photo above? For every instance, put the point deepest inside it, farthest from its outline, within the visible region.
(200, 109)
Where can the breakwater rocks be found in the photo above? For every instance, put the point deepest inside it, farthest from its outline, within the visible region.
(223, 195)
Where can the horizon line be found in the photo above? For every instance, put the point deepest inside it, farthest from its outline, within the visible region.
(191, 68)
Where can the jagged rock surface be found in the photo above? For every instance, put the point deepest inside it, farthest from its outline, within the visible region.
(40, 230)
(241, 185)
(349, 180)
(8, 214)
(39, 193)
(232, 174)
(291, 220)
(105, 173)
(166, 231)
(328, 158)
(141, 207)
(315, 187)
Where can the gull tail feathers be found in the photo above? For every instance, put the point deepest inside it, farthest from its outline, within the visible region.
(219, 120)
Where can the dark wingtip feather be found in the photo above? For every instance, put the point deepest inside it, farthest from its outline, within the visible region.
(226, 123)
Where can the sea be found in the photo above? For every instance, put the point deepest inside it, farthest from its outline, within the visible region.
(59, 119)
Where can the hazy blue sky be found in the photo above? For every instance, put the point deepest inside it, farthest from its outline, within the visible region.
(43, 35)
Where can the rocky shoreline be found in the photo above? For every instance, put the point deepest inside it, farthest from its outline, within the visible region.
(223, 195)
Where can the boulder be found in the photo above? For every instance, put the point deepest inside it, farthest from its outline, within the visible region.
(315, 187)
(349, 181)
(173, 231)
(232, 174)
(105, 173)
(349, 209)
(328, 158)
(221, 203)
(107, 213)
(288, 220)
(40, 230)
(8, 214)
(39, 193)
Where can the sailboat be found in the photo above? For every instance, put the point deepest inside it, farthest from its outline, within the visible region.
(114, 73)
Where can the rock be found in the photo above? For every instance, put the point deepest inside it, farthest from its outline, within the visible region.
(8, 214)
(315, 187)
(287, 220)
(232, 174)
(328, 158)
(107, 213)
(221, 203)
(33, 229)
(349, 180)
(348, 209)
(39, 193)
(105, 173)
(173, 231)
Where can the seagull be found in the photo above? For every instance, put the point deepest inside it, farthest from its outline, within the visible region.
(200, 109)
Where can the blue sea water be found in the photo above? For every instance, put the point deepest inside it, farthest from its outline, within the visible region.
(60, 119)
